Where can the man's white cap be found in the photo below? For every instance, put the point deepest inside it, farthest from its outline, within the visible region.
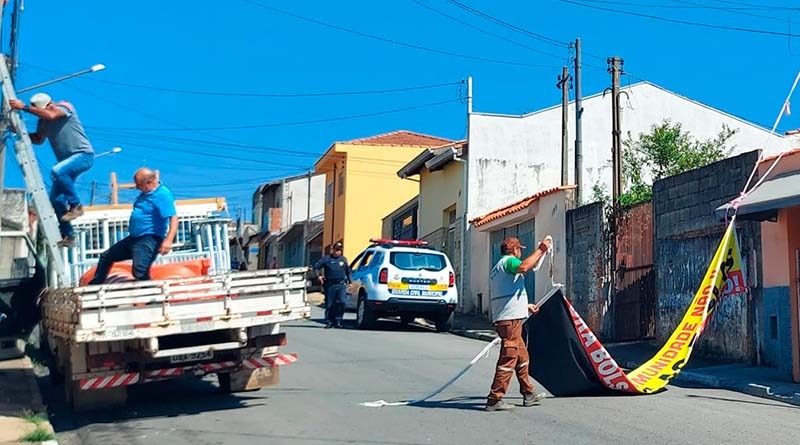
(40, 100)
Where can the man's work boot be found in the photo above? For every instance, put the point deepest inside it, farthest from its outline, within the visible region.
(67, 241)
(328, 325)
(532, 398)
(500, 405)
(73, 213)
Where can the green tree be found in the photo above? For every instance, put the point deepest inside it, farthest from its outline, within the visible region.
(665, 151)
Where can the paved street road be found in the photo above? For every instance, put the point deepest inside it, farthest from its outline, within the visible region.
(318, 400)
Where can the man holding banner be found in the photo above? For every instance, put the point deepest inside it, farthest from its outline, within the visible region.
(510, 309)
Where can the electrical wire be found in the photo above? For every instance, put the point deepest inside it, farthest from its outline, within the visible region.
(508, 25)
(392, 41)
(479, 29)
(270, 95)
(294, 123)
(682, 22)
(733, 11)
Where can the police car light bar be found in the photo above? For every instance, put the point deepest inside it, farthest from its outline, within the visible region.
(394, 242)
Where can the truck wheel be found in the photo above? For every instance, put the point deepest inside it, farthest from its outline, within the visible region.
(365, 318)
(444, 323)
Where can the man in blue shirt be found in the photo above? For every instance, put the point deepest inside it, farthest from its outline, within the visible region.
(59, 124)
(153, 211)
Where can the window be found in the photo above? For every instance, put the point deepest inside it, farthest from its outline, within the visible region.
(418, 261)
(365, 260)
(329, 194)
(404, 226)
(341, 183)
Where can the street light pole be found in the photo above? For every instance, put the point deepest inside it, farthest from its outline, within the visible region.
(93, 69)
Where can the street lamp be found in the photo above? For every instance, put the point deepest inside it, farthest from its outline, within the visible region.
(113, 151)
(92, 69)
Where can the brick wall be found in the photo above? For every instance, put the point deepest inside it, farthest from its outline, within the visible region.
(586, 284)
(686, 235)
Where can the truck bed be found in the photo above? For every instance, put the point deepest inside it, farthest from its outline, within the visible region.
(146, 309)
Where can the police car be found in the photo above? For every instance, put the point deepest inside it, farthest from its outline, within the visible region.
(402, 278)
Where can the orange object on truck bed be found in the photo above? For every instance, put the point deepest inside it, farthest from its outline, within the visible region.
(121, 272)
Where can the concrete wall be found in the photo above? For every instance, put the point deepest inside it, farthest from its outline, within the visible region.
(14, 261)
(516, 156)
(438, 191)
(686, 236)
(295, 200)
(586, 265)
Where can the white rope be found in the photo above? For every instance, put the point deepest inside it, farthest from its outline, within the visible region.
(483, 353)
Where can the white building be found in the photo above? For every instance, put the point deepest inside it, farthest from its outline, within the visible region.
(285, 206)
(511, 157)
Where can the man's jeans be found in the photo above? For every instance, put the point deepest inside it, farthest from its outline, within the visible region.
(63, 194)
(335, 295)
(143, 250)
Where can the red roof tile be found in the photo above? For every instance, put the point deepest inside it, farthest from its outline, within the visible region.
(785, 154)
(517, 206)
(400, 137)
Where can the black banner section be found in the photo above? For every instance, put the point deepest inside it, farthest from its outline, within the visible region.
(558, 358)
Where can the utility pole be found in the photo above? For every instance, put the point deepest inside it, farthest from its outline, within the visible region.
(563, 84)
(615, 69)
(94, 192)
(578, 128)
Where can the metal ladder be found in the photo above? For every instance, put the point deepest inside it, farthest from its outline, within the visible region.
(26, 158)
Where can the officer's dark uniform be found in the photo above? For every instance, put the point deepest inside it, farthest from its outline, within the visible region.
(336, 270)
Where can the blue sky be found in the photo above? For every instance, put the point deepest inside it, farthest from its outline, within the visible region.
(238, 47)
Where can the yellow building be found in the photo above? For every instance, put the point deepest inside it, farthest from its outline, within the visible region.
(362, 185)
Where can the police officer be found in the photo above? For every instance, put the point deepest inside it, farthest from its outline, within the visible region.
(336, 276)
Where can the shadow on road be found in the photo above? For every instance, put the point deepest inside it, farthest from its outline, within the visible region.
(460, 403)
(388, 325)
(173, 398)
(775, 404)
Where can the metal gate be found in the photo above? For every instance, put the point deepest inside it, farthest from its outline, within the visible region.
(634, 305)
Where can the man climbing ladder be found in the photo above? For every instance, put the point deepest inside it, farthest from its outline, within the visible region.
(59, 123)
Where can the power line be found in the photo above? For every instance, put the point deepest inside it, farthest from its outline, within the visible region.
(392, 41)
(294, 123)
(478, 28)
(682, 22)
(762, 7)
(508, 25)
(733, 11)
(675, 7)
(272, 95)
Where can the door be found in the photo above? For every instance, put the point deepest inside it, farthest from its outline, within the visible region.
(351, 297)
(357, 276)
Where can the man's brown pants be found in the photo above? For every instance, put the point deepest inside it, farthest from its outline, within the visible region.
(513, 358)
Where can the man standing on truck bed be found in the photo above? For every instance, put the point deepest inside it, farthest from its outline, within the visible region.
(153, 208)
(59, 123)
(334, 283)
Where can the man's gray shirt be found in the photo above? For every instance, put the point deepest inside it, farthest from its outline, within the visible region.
(66, 134)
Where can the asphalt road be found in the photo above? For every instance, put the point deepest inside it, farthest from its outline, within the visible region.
(318, 402)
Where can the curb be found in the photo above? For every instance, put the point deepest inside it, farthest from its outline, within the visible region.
(37, 402)
(712, 381)
(475, 334)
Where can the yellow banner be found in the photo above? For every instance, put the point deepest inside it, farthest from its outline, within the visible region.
(724, 277)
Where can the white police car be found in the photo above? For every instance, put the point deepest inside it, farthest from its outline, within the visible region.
(402, 278)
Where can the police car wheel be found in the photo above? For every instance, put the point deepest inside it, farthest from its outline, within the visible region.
(365, 318)
(444, 323)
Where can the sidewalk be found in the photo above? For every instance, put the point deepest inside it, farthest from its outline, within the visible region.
(757, 381)
(21, 409)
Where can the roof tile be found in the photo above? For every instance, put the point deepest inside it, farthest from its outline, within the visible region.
(517, 206)
(400, 137)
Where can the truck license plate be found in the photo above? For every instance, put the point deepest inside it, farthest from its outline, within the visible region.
(194, 356)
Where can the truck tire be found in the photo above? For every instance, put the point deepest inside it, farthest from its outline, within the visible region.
(444, 323)
(224, 379)
(365, 318)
